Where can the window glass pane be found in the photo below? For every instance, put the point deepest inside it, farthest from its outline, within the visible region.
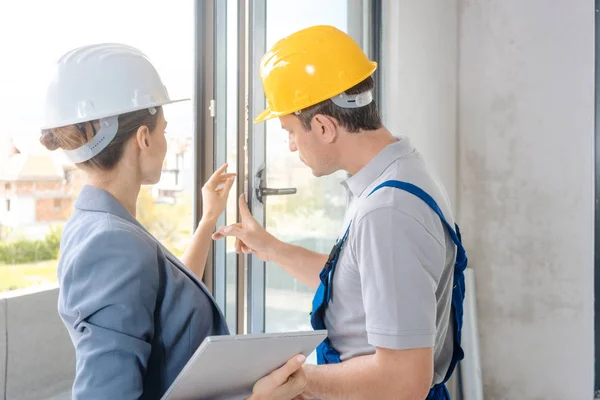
(38, 187)
(312, 217)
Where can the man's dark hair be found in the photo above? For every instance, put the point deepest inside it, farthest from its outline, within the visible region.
(353, 119)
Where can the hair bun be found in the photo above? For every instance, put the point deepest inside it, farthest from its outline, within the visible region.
(49, 140)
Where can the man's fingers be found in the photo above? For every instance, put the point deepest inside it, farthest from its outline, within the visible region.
(235, 230)
(225, 231)
(281, 375)
(296, 383)
(240, 247)
(244, 210)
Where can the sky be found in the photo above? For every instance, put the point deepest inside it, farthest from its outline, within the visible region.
(35, 33)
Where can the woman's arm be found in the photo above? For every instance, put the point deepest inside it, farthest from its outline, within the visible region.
(195, 255)
(214, 201)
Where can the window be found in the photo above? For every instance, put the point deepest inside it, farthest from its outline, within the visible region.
(256, 296)
(68, 176)
(597, 210)
(7, 205)
(167, 211)
(7, 186)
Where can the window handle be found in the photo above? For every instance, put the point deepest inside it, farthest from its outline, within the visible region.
(262, 190)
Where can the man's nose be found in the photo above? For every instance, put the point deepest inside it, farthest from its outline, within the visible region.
(292, 145)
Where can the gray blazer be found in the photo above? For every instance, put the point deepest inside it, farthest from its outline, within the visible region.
(134, 312)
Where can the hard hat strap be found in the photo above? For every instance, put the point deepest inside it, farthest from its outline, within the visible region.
(344, 100)
(108, 130)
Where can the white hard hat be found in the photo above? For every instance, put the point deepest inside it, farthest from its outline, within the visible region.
(101, 81)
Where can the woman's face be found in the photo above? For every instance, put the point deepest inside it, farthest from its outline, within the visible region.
(153, 154)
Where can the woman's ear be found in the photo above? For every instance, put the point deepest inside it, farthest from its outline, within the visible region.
(143, 137)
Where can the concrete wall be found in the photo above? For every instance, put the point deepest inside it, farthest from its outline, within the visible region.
(526, 126)
(419, 75)
(37, 360)
(525, 171)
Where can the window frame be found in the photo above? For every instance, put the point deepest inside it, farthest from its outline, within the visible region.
(210, 135)
(597, 201)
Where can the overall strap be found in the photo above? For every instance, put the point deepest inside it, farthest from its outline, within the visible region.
(328, 271)
(458, 289)
(326, 353)
(420, 193)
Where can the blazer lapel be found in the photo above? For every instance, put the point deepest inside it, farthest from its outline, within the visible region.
(92, 198)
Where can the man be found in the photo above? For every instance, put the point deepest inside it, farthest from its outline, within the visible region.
(388, 288)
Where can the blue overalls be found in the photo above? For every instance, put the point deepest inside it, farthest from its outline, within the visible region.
(327, 354)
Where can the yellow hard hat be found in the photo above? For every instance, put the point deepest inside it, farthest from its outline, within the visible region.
(308, 67)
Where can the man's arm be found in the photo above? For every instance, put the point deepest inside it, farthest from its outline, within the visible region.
(301, 263)
(400, 263)
(251, 237)
(387, 374)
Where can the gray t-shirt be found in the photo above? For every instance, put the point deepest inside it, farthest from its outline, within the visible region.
(392, 286)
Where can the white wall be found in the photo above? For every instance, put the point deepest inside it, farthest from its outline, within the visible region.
(525, 171)
(419, 73)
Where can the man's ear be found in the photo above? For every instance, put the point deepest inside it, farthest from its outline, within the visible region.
(142, 137)
(326, 127)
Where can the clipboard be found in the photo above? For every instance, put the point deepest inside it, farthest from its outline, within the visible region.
(227, 367)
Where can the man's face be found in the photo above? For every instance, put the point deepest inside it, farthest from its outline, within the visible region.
(312, 149)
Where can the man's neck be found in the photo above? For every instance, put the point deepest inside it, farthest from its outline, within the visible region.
(362, 147)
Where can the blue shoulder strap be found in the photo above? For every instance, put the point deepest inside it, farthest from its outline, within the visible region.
(420, 193)
(458, 290)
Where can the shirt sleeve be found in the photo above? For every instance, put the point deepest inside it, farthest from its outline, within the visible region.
(400, 264)
(109, 297)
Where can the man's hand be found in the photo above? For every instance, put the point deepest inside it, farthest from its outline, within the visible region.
(285, 383)
(251, 237)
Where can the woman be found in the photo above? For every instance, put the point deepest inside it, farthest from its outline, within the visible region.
(135, 313)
